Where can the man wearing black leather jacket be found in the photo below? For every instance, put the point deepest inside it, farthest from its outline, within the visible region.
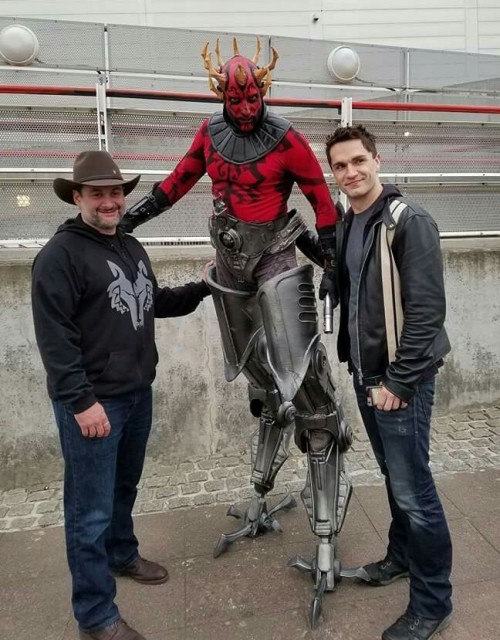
(395, 390)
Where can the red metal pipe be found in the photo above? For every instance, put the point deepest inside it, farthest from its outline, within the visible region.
(416, 106)
(278, 102)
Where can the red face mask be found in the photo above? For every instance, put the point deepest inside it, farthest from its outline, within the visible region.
(242, 95)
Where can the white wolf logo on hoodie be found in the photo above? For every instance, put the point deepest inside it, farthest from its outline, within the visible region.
(136, 297)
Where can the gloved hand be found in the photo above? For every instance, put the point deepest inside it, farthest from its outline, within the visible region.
(328, 284)
(154, 203)
(328, 252)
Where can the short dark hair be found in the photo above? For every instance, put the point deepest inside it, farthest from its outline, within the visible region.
(356, 132)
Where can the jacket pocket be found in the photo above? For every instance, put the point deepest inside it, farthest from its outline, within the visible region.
(121, 368)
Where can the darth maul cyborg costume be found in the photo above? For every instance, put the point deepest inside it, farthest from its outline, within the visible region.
(265, 304)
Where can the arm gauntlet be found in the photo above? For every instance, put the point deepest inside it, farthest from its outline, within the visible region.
(146, 209)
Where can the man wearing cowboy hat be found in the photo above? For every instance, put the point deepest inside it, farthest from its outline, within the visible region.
(94, 299)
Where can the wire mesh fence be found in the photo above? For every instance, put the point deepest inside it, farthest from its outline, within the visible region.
(451, 168)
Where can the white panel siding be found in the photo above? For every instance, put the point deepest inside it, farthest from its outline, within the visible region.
(394, 16)
(332, 6)
(489, 20)
(89, 10)
(412, 29)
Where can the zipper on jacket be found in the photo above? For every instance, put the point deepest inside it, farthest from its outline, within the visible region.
(360, 370)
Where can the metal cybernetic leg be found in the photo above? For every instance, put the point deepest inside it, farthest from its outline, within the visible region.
(245, 350)
(302, 373)
(270, 446)
(325, 497)
(323, 434)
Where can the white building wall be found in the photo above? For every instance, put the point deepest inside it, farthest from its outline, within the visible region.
(464, 25)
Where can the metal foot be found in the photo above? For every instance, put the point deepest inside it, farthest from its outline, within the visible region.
(302, 565)
(257, 521)
(325, 580)
(227, 539)
(358, 574)
(317, 603)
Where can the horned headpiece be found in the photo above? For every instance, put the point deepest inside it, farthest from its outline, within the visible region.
(262, 74)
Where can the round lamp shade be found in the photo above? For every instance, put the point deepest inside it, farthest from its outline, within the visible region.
(18, 45)
(343, 64)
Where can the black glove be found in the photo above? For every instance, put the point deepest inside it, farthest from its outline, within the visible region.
(328, 251)
(149, 207)
(327, 243)
(328, 284)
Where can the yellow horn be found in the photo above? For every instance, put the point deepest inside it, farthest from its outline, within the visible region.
(220, 61)
(241, 76)
(255, 59)
(213, 73)
(260, 74)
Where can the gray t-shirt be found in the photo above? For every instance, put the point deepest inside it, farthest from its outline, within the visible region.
(354, 254)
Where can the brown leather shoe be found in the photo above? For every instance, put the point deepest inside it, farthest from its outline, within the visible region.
(144, 571)
(119, 630)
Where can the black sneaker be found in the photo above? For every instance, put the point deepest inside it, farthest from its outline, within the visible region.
(409, 627)
(381, 573)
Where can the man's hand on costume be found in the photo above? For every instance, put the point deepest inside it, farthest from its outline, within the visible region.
(154, 203)
(387, 401)
(93, 422)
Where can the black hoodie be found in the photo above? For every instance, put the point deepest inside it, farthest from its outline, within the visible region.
(94, 301)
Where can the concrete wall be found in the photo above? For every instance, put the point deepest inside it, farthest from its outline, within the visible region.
(460, 25)
(197, 414)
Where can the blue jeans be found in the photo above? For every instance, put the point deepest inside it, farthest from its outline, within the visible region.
(419, 538)
(100, 487)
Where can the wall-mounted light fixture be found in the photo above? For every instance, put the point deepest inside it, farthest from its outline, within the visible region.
(18, 45)
(343, 64)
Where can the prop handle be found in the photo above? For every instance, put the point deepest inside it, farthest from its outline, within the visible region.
(328, 314)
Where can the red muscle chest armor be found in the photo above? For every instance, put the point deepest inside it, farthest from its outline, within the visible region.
(256, 191)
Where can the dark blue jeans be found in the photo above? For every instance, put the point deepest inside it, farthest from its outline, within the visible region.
(100, 487)
(419, 538)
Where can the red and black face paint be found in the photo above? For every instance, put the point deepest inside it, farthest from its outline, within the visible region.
(241, 84)
(242, 95)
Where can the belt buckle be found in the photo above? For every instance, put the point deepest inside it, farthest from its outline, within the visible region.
(230, 239)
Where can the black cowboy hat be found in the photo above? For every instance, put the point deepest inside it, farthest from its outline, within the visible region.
(93, 169)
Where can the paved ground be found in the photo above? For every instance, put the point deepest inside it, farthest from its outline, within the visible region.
(459, 442)
(249, 593)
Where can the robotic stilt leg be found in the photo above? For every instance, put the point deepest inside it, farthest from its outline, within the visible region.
(270, 445)
(325, 497)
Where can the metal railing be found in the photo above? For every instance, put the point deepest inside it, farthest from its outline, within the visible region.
(452, 168)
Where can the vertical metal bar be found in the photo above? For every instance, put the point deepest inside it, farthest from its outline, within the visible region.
(101, 97)
(406, 115)
(102, 114)
(407, 78)
(346, 112)
(107, 71)
(345, 121)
